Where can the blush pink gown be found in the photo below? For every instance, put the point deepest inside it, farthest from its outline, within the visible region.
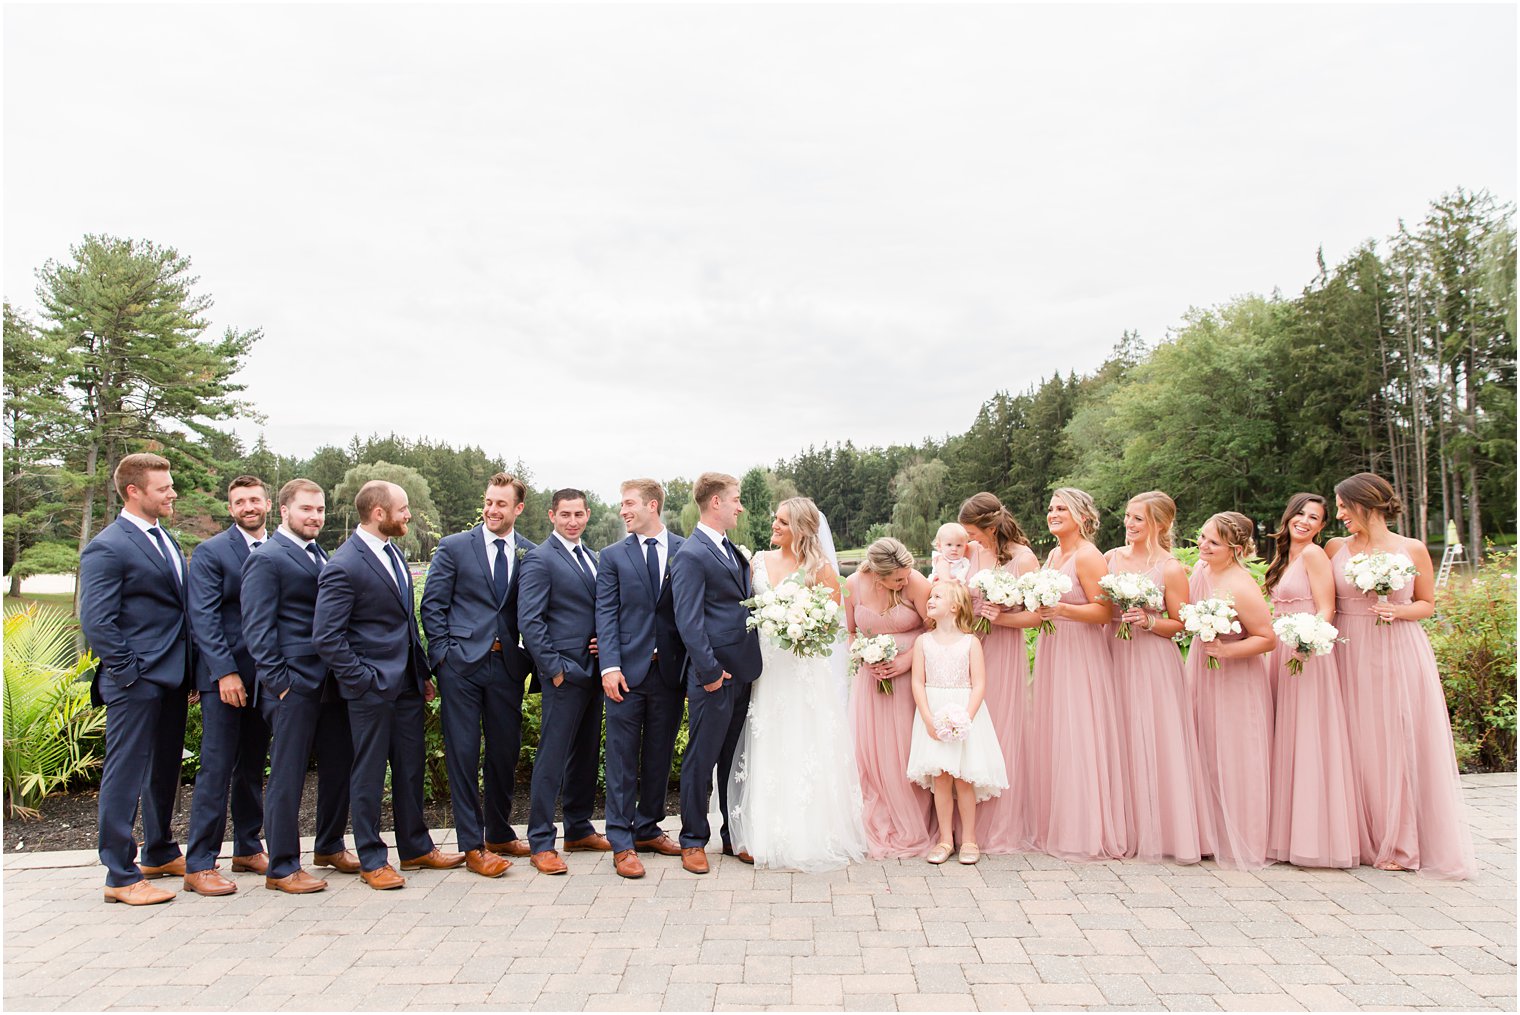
(1313, 822)
(898, 815)
(1002, 823)
(1077, 798)
(1408, 790)
(1155, 717)
(1233, 710)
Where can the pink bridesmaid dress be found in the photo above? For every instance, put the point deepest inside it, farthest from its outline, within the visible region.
(1408, 791)
(1155, 717)
(1232, 707)
(1002, 823)
(1077, 799)
(898, 815)
(1313, 812)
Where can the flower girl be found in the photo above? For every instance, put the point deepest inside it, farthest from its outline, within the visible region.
(955, 749)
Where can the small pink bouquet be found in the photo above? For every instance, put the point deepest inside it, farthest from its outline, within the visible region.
(952, 723)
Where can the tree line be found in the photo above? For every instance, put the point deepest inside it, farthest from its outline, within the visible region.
(1400, 360)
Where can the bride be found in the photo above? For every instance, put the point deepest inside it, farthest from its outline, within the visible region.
(793, 791)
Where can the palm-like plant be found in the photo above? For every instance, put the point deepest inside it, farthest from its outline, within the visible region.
(52, 732)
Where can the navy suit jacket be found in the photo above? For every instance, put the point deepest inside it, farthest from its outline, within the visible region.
(556, 612)
(279, 600)
(363, 629)
(460, 614)
(132, 610)
(633, 619)
(709, 591)
(214, 585)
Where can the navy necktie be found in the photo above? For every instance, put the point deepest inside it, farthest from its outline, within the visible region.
(316, 554)
(652, 561)
(580, 558)
(398, 568)
(163, 548)
(500, 577)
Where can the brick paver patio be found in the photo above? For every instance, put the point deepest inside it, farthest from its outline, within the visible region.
(1015, 932)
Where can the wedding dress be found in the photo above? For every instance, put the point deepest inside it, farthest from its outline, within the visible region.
(793, 792)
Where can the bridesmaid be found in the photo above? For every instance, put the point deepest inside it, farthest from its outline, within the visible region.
(1313, 810)
(887, 596)
(1155, 712)
(1408, 791)
(1232, 704)
(1078, 797)
(998, 541)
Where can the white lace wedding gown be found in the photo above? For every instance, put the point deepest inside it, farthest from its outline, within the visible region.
(793, 792)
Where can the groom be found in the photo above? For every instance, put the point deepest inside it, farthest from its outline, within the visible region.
(709, 580)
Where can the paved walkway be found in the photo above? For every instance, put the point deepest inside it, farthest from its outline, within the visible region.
(1015, 932)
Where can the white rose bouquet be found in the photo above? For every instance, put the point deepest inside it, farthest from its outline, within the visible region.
(803, 619)
(997, 587)
(1305, 634)
(952, 722)
(1129, 590)
(867, 651)
(1044, 587)
(1380, 574)
(1208, 619)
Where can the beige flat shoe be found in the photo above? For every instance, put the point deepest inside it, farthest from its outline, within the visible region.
(940, 853)
(970, 852)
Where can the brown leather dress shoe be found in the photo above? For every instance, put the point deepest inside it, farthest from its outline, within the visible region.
(346, 862)
(517, 847)
(694, 859)
(486, 863)
(548, 862)
(661, 844)
(299, 883)
(258, 863)
(626, 863)
(435, 860)
(741, 855)
(139, 894)
(208, 882)
(173, 869)
(383, 878)
(593, 842)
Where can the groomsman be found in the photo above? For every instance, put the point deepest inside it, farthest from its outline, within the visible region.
(556, 610)
(469, 612)
(132, 612)
(296, 694)
(365, 630)
(642, 657)
(234, 737)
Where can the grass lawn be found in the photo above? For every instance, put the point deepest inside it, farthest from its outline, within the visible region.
(52, 600)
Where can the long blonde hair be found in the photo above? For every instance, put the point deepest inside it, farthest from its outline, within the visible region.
(804, 520)
(1161, 511)
(1082, 508)
(883, 557)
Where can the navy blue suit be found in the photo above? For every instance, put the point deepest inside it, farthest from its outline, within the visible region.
(636, 633)
(709, 588)
(365, 630)
(279, 595)
(481, 670)
(556, 610)
(234, 741)
(132, 612)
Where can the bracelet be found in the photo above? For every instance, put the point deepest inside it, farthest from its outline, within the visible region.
(1150, 621)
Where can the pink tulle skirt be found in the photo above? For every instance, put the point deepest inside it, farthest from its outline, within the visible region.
(899, 816)
(1233, 709)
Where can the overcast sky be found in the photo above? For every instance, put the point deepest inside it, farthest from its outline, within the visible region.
(660, 240)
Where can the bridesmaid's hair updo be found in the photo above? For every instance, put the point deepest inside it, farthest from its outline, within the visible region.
(883, 557)
(960, 602)
(1237, 532)
(1161, 511)
(1369, 493)
(803, 518)
(1282, 539)
(1082, 508)
(987, 513)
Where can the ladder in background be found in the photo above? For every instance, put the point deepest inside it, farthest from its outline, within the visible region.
(1453, 554)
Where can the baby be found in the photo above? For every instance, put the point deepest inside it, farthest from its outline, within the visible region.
(950, 562)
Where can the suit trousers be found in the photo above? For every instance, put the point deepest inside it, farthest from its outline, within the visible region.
(641, 739)
(388, 732)
(145, 738)
(569, 749)
(234, 744)
(716, 719)
(485, 703)
(298, 723)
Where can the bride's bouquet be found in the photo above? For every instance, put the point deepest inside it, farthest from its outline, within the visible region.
(866, 651)
(1380, 574)
(803, 619)
(952, 722)
(1305, 634)
(997, 587)
(1044, 587)
(1128, 590)
(1207, 619)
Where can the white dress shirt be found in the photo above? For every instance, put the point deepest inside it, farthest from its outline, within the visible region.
(250, 538)
(147, 528)
(510, 548)
(717, 537)
(662, 550)
(378, 547)
(570, 547)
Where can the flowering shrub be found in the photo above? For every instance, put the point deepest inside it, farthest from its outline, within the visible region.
(1473, 634)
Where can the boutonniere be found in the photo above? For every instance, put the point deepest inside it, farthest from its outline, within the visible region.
(521, 553)
(746, 553)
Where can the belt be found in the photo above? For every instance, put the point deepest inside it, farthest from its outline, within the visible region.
(496, 645)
